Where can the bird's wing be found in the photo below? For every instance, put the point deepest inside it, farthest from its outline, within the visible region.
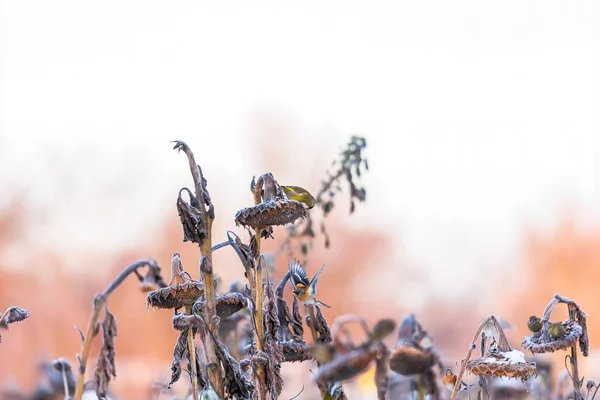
(298, 276)
(313, 283)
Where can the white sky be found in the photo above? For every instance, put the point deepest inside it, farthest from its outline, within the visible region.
(482, 117)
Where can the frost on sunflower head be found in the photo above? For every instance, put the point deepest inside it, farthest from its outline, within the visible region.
(500, 360)
(555, 336)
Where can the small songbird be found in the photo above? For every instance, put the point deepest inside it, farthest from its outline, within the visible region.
(556, 330)
(450, 381)
(534, 324)
(299, 194)
(304, 289)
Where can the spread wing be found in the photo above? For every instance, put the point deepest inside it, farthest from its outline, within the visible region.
(298, 277)
(313, 283)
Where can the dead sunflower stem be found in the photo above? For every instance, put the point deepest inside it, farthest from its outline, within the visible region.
(99, 302)
(206, 270)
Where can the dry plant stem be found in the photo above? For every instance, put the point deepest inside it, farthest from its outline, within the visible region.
(65, 384)
(99, 302)
(573, 358)
(256, 280)
(259, 297)
(258, 318)
(420, 388)
(192, 357)
(463, 364)
(480, 387)
(214, 374)
(315, 335)
(313, 330)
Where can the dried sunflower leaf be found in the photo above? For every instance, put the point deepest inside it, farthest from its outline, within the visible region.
(105, 367)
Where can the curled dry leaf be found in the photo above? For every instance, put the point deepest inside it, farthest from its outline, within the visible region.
(153, 280)
(194, 226)
(180, 352)
(322, 327)
(237, 383)
(296, 351)
(14, 314)
(272, 345)
(11, 315)
(105, 367)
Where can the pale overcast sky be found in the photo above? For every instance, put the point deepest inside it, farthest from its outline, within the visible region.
(482, 117)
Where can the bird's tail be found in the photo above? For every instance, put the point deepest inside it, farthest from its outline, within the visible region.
(322, 304)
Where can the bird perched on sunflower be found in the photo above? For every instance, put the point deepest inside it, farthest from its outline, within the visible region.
(299, 194)
(302, 288)
(535, 324)
(556, 330)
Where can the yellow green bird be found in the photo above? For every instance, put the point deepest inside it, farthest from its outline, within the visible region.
(535, 324)
(299, 194)
(556, 330)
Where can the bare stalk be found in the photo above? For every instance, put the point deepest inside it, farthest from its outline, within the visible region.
(420, 388)
(258, 318)
(256, 281)
(315, 335)
(192, 357)
(573, 358)
(313, 330)
(479, 385)
(99, 302)
(65, 383)
(502, 342)
(206, 270)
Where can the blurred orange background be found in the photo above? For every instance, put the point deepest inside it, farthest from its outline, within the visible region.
(483, 143)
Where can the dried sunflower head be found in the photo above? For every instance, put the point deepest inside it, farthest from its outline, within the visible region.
(508, 364)
(347, 366)
(414, 353)
(552, 338)
(410, 360)
(275, 212)
(177, 296)
(272, 206)
(182, 291)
